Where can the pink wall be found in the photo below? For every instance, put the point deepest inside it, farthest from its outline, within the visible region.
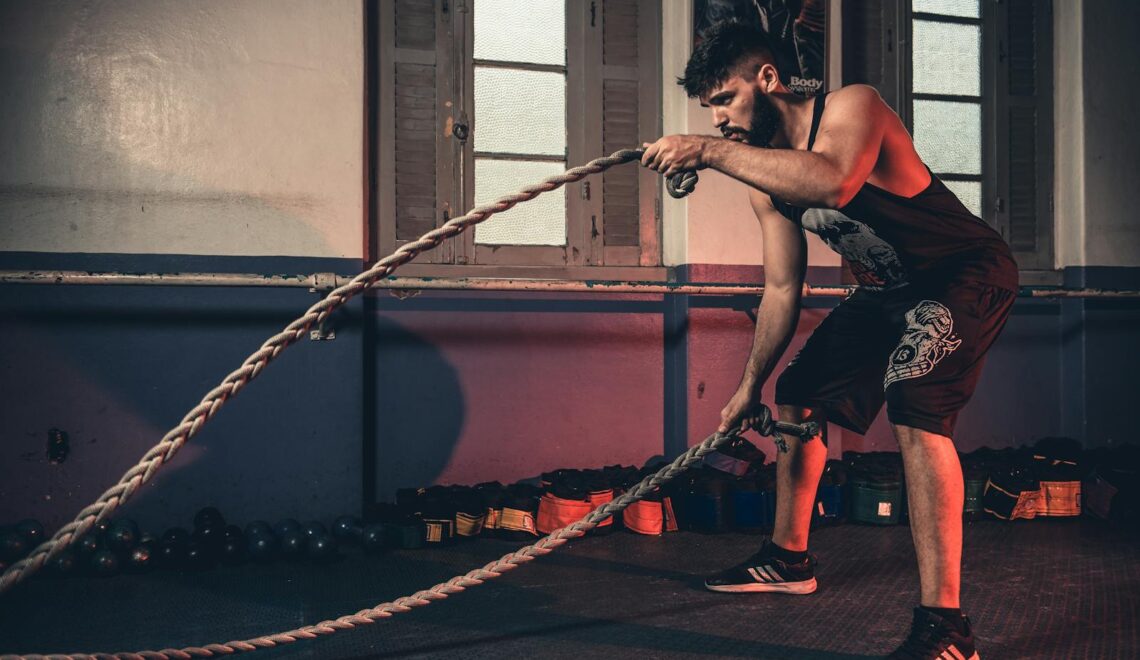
(471, 395)
(527, 392)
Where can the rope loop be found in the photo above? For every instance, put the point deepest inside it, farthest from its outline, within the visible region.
(681, 184)
(766, 426)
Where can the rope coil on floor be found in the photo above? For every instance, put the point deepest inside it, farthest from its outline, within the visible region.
(678, 185)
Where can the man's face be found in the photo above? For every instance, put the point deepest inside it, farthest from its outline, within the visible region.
(742, 112)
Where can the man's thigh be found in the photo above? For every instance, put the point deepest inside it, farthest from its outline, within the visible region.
(934, 367)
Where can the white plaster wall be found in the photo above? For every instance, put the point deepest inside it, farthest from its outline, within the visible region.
(164, 126)
(1111, 71)
(1097, 154)
(1068, 131)
(677, 43)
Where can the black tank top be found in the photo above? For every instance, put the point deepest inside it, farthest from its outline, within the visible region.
(891, 241)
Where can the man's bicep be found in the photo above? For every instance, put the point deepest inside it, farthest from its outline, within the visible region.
(785, 250)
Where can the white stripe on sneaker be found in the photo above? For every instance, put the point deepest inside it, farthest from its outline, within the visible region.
(773, 576)
(803, 587)
(958, 655)
(756, 575)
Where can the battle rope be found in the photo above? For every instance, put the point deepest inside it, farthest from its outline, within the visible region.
(678, 185)
(252, 366)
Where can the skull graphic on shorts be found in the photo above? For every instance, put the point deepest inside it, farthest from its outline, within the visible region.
(929, 337)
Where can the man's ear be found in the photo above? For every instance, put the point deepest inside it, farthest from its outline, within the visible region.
(768, 78)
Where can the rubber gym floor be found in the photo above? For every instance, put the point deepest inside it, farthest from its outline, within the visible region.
(1061, 588)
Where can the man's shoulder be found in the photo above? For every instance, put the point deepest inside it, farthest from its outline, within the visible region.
(855, 92)
(854, 98)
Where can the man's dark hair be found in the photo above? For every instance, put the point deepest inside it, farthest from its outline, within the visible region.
(722, 48)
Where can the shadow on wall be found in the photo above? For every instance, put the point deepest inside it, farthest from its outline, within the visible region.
(419, 410)
(115, 367)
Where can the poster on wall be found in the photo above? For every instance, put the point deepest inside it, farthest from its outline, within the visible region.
(796, 29)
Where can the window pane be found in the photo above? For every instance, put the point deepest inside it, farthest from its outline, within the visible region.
(968, 8)
(521, 31)
(948, 135)
(520, 112)
(970, 192)
(541, 221)
(946, 58)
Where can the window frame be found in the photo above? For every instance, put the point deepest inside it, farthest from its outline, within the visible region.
(985, 100)
(584, 256)
(895, 82)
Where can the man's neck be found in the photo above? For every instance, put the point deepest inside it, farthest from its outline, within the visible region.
(795, 121)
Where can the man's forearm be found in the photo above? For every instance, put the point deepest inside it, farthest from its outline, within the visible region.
(775, 322)
(803, 178)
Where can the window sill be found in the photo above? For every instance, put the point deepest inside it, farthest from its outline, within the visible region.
(623, 273)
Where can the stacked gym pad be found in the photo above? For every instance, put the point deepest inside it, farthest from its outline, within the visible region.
(733, 490)
(1042, 480)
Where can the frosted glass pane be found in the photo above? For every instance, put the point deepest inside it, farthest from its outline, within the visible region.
(948, 135)
(520, 112)
(970, 8)
(521, 31)
(541, 221)
(946, 59)
(970, 192)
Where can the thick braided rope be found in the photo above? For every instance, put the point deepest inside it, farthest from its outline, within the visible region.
(253, 365)
(440, 591)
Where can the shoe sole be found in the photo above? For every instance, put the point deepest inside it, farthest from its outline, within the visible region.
(799, 588)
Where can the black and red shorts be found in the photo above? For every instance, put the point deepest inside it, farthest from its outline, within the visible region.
(918, 348)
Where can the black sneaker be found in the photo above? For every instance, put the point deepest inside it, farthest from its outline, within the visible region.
(934, 638)
(764, 573)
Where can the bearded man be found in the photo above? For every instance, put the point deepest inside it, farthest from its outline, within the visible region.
(936, 287)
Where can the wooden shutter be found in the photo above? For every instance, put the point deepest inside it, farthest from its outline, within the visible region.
(629, 98)
(870, 47)
(415, 153)
(1024, 136)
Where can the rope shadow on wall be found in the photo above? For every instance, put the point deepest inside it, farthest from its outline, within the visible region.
(419, 409)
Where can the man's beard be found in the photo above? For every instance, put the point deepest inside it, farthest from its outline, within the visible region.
(765, 121)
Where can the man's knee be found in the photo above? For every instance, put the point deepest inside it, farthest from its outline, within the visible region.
(802, 414)
(914, 434)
